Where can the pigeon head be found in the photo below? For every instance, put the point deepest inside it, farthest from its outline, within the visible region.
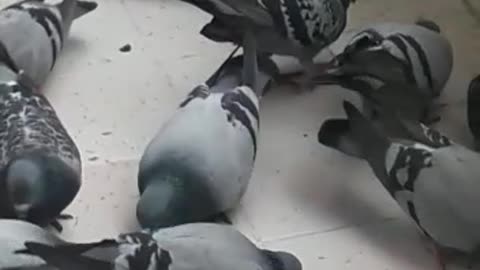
(39, 187)
(280, 260)
(73, 9)
(168, 200)
(378, 64)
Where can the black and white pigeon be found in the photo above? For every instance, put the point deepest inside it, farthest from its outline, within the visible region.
(473, 110)
(13, 235)
(199, 246)
(415, 57)
(40, 166)
(436, 186)
(298, 28)
(33, 32)
(199, 164)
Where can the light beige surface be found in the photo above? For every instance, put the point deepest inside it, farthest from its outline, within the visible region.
(321, 205)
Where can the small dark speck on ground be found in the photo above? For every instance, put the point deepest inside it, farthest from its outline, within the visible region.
(102, 198)
(305, 135)
(321, 257)
(186, 56)
(93, 158)
(277, 171)
(106, 133)
(126, 48)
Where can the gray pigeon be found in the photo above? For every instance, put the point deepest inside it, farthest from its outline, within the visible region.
(425, 52)
(197, 246)
(13, 235)
(416, 57)
(436, 186)
(32, 34)
(299, 28)
(199, 164)
(40, 166)
(473, 110)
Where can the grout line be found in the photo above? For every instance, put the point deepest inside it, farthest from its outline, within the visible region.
(314, 233)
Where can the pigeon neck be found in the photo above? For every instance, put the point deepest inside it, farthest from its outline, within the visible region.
(180, 196)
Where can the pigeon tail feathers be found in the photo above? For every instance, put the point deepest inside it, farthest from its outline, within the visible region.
(335, 133)
(64, 260)
(372, 142)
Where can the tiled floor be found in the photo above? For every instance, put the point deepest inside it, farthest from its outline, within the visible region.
(323, 206)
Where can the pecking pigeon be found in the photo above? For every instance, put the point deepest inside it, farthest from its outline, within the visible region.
(199, 164)
(32, 34)
(40, 166)
(192, 246)
(13, 234)
(473, 110)
(426, 54)
(436, 186)
(299, 28)
(415, 57)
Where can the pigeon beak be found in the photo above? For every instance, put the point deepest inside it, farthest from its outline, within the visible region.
(331, 74)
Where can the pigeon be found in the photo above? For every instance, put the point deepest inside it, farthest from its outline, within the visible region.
(473, 110)
(13, 235)
(402, 92)
(298, 28)
(199, 164)
(436, 186)
(33, 32)
(201, 246)
(40, 166)
(415, 57)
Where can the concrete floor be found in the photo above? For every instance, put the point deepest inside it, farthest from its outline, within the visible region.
(319, 204)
